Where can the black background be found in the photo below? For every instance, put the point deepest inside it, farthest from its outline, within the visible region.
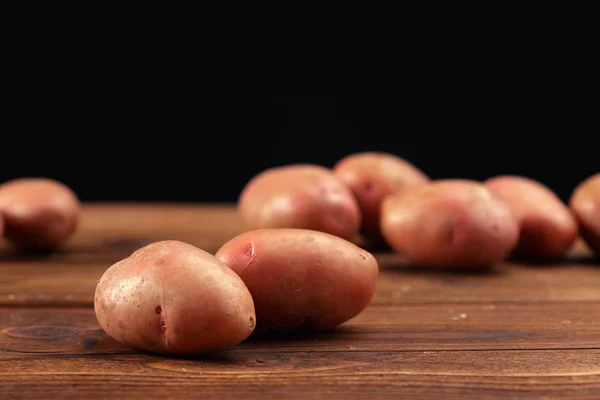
(175, 104)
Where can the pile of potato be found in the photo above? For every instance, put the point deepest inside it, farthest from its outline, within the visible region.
(303, 261)
(379, 199)
(171, 297)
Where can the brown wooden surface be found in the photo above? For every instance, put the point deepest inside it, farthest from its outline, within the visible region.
(520, 331)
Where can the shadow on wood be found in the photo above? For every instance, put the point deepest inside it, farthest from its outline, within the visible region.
(394, 262)
(102, 250)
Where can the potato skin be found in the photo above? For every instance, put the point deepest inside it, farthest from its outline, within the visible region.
(372, 176)
(300, 196)
(173, 298)
(585, 206)
(547, 229)
(39, 213)
(453, 223)
(302, 279)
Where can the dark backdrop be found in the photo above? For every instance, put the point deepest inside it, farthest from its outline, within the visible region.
(173, 104)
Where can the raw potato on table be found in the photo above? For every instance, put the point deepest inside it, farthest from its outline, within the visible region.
(39, 213)
(547, 229)
(372, 176)
(302, 279)
(300, 196)
(585, 205)
(173, 298)
(450, 223)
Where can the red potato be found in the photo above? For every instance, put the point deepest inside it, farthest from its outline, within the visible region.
(585, 205)
(372, 176)
(300, 196)
(302, 279)
(38, 213)
(173, 298)
(451, 223)
(547, 227)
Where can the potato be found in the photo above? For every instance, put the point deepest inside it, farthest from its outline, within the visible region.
(173, 298)
(38, 213)
(372, 176)
(585, 206)
(453, 223)
(301, 279)
(547, 229)
(300, 196)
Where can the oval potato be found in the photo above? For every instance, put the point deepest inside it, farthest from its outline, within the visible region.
(372, 176)
(301, 279)
(585, 205)
(300, 196)
(547, 229)
(452, 223)
(173, 298)
(38, 213)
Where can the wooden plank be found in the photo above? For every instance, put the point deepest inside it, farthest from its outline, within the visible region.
(110, 233)
(65, 283)
(161, 218)
(407, 328)
(107, 234)
(120, 227)
(573, 280)
(520, 331)
(433, 375)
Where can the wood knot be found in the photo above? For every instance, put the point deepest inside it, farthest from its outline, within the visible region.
(42, 332)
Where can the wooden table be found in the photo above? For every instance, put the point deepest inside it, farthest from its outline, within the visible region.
(523, 331)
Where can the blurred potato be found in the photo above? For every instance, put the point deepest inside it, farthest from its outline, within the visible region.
(585, 205)
(450, 223)
(39, 213)
(300, 196)
(547, 229)
(372, 176)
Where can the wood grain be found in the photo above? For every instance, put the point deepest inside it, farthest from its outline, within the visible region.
(117, 228)
(68, 277)
(275, 374)
(402, 328)
(72, 283)
(518, 331)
